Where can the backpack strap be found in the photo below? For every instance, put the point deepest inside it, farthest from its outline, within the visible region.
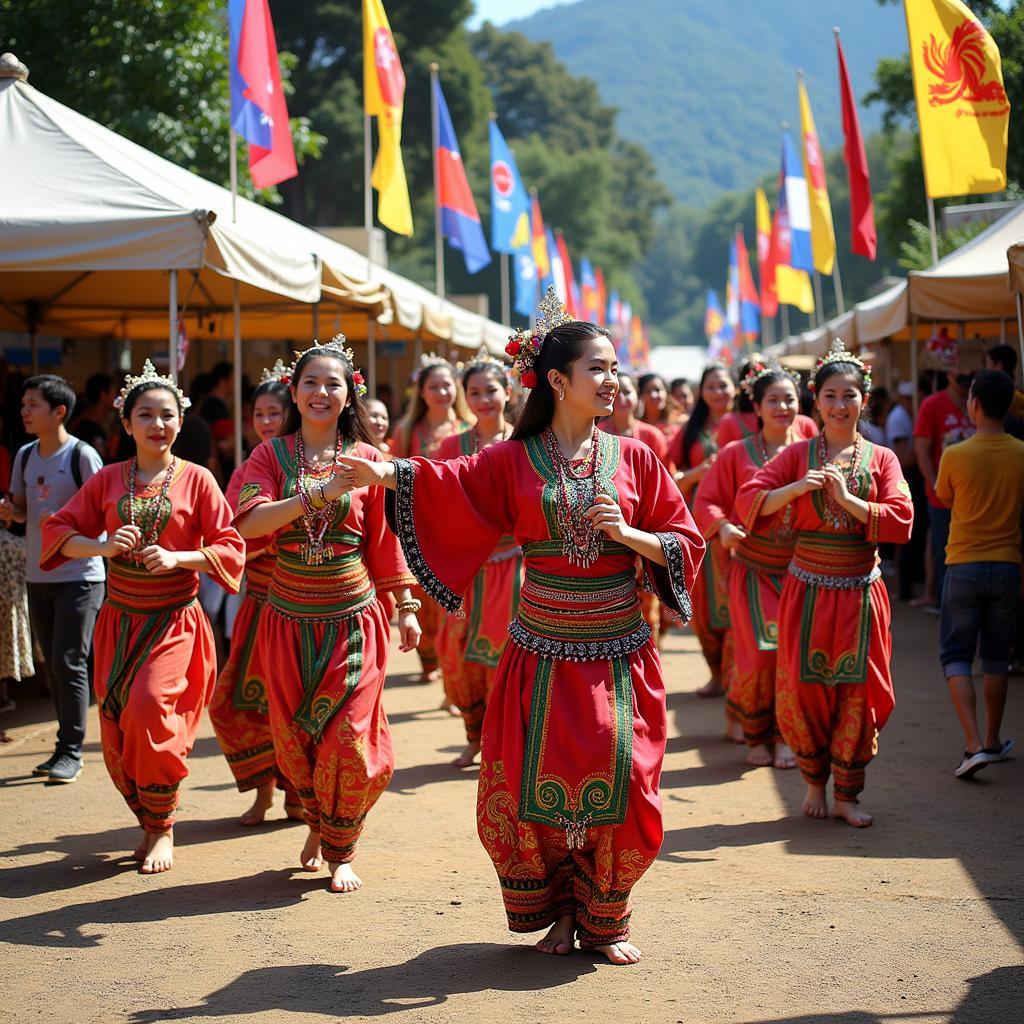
(76, 463)
(23, 462)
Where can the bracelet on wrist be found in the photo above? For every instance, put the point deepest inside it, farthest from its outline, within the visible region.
(412, 605)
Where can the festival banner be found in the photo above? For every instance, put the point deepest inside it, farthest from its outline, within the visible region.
(384, 98)
(510, 202)
(962, 108)
(863, 236)
(602, 297)
(572, 301)
(590, 301)
(557, 273)
(714, 325)
(539, 237)
(259, 113)
(765, 264)
(823, 235)
(750, 305)
(793, 198)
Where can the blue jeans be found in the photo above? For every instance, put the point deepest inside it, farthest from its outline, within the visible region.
(979, 602)
(939, 520)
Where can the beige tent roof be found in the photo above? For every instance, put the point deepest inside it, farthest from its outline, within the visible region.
(92, 223)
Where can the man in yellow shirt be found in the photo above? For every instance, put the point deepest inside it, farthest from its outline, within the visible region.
(982, 480)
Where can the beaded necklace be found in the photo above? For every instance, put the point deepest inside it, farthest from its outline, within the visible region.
(835, 515)
(315, 523)
(575, 492)
(148, 518)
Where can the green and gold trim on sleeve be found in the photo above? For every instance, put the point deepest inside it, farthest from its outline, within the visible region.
(231, 583)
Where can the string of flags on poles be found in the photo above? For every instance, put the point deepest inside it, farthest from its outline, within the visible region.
(963, 115)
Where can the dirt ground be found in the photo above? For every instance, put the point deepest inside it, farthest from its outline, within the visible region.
(751, 914)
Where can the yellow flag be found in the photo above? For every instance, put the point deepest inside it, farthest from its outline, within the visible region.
(823, 236)
(779, 282)
(961, 103)
(793, 287)
(384, 98)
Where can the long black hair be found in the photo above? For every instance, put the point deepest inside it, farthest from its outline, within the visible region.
(847, 369)
(353, 424)
(701, 412)
(743, 402)
(775, 375)
(133, 396)
(562, 347)
(277, 390)
(641, 384)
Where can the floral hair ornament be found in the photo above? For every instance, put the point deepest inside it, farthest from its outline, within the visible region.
(838, 354)
(278, 373)
(524, 346)
(761, 367)
(149, 376)
(483, 359)
(335, 349)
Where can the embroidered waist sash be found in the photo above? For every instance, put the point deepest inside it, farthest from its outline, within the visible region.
(338, 588)
(579, 618)
(258, 574)
(835, 624)
(837, 561)
(763, 554)
(134, 589)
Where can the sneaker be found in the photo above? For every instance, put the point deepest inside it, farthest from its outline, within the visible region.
(970, 764)
(65, 769)
(1000, 753)
(44, 768)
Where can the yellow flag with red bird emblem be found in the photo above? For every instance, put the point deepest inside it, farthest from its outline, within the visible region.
(961, 103)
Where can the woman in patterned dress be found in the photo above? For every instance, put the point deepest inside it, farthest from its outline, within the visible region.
(574, 736)
(166, 522)
(324, 625)
(834, 691)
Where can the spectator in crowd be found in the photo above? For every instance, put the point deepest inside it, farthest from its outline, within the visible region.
(942, 421)
(380, 422)
(682, 396)
(982, 480)
(899, 436)
(217, 413)
(872, 424)
(93, 423)
(63, 602)
(1004, 358)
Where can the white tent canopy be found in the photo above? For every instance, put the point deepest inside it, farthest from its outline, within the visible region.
(93, 224)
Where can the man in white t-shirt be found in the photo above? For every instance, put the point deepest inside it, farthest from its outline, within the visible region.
(63, 603)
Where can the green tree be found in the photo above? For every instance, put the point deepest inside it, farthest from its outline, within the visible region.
(153, 71)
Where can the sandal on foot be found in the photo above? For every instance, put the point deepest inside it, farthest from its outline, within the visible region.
(970, 764)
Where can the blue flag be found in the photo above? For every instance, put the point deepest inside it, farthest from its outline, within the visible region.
(526, 281)
(510, 202)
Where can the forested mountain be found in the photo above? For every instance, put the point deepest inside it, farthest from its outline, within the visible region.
(703, 86)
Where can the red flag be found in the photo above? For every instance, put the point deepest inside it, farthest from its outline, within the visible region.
(257, 64)
(570, 278)
(602, 296)
(864, 239)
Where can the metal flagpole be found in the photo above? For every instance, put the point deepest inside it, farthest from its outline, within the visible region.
(436, 138)
(913, 360)
(931, 228)
(371, 341)
(172, 316)
(784, 314)
(506, 298)
(236, 310)
(837, 284)
(818, 299)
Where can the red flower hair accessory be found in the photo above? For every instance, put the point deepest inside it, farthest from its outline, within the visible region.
(524, 347)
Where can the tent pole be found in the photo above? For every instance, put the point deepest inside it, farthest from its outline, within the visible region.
(316, 321)
(438, 237)
(236, 358)
(1020, 324)
(931, 229)
(784, 315)
(371, 358)
(913, 360)
(172, 334)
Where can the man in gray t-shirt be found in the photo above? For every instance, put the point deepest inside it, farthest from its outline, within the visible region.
(64, 602)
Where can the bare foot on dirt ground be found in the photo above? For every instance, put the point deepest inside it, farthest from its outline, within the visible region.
(160, 855)
(815, 802)
(561, 937)
(622, 954)
(261, 804)
(851, 814)
(311, 859)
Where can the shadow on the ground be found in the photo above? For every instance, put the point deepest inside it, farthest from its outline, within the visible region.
(94, 856)
(69, 926)
(426, 980)
(406, 781)
(993, 998)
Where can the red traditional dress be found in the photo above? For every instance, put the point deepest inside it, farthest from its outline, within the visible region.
(470, 646)
(574, 735)
(429, 616)
(327, 634)
(155, 662)
(834, 690)
(756, 573)
(239, 710)
(711, 620)
(735, 426)
(656, 439)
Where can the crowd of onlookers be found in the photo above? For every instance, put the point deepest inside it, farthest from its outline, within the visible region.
(51, 437)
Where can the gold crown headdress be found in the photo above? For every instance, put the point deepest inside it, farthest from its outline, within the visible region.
(524, 346)
(277, 373)
(149, 376)
(837, 353)
(763, 367)
(485, 358)
(337, 349)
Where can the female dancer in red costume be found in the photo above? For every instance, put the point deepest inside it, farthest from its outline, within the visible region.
(437, 411)
(166, 521)
(239, 710)
(323, 623)
(568, 806)
(470, 646)
(623, 422)
(692, 451)
(743, 421)
(834, 691)
(652, 392)
(759, 559)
